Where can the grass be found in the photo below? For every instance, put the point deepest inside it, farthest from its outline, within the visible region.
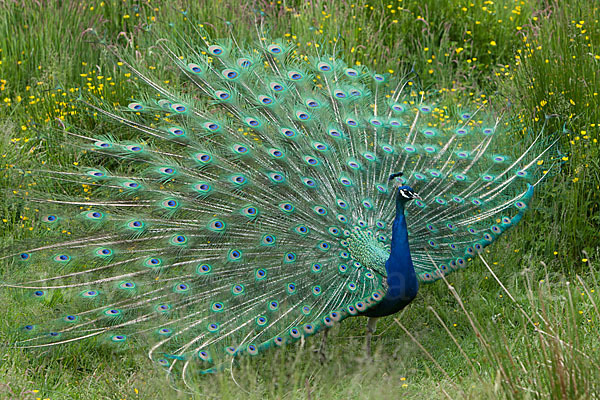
(530, 333)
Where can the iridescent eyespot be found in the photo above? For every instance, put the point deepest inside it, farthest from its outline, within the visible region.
(320, 210)
(235, 255)
(179, 108)
(96, 174)
(352, 73)
(395, 123)
(289, 257)
(167, 170)
(176, 131)
(252, 122)
(335, 133)
(216, 50)
(286, 207)
(135, 148)
(324, 246)
(127, 285)
(240, 149)
(164, 331)
(170, 204)
(276, 153)
(181, 288)
(162, 308)
(302, 115)
(95, 215)
(266, 100)
(520, 205)
(135, 224)
(260, 274)
(195, 68)
(288, 132)
(104, 252)
(294, 75)
(312, 161)
(179, 240)
(291, 288)
(346, 181)
(276, 87)
(320, 146)
(312, 103)
(324, 67)
(268, 240)
(203, 269)
(50, 218)
(398, 107)
(136, 106)
(238, 179)
(222, 94)
(216, 225)
(103, 145)
(378, 78)
(375, 122)
(250, 211)
(387, 148)
(339, 94)
(244, 62)
(202, 187)
(230, 73)
(153, 262)
(275, 49)
(237, 289)
(353, 164)
(302, 229)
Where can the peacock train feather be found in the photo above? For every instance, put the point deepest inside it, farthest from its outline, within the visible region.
(259, 198)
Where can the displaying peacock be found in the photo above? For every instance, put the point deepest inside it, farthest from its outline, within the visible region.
(259, 197)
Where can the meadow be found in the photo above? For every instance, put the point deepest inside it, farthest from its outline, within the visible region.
(524, 325)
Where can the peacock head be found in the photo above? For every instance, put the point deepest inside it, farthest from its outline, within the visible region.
(406, 194)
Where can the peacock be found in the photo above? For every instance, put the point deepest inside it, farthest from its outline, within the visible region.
(258, 197)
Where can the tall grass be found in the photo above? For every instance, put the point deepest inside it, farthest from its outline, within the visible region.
(530, 333)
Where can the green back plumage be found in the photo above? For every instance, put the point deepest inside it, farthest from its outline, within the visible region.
(257, 208)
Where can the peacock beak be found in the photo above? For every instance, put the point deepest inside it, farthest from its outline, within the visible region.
(416, 195)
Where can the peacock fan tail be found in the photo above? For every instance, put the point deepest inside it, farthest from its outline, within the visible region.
(249, 205)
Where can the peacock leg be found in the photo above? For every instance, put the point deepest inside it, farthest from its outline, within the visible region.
(322, 347)
(371, 327)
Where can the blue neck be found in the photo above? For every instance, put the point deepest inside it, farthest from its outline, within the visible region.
(401, 277)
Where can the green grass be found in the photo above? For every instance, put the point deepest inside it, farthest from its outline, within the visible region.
(540, 341)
